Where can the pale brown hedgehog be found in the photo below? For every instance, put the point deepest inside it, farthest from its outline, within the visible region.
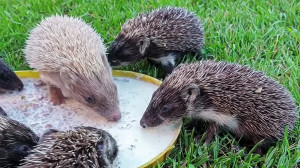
(16, 141)
(86, 147)
(246, 102)
(162, 36)
(71, 58)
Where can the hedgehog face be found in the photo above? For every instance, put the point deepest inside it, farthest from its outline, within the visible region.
(170, 104)
(107, 149)
(13, 154)
(126, 50)
(8, 79)
(16, 142)
(166, 105)
(98, 94)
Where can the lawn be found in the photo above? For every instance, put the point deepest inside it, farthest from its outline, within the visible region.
(262, 34)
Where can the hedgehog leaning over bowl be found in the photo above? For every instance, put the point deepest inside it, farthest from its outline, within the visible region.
(233, 97)
(86, 147)
(71, 58)
(8, 79)
(16, 141)
(162, 36)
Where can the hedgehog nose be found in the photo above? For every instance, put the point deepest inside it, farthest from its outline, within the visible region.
(115, 117)
(20, 88)
(143, 124)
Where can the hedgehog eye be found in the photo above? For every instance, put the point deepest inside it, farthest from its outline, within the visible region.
(90, 99)
(23, 149)
(166, 108)
(114, 63)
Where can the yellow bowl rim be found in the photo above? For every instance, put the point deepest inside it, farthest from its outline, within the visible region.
(129, 74)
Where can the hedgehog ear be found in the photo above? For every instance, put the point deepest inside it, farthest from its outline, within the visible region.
(144, 44)
(68, 77)
(190, 93)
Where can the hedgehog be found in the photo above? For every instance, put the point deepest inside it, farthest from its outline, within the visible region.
(16, 142)
(86, 147)
(228, 96)
(8, 79)
(162, 36)
(71, 58)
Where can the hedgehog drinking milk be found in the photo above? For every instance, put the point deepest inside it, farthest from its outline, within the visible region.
(16, 141)
(237, 98)
(8, 79)
(162, 36)
(71, 58)
(87, 147)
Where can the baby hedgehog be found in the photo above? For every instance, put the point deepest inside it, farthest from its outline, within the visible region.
(71, 58)
(16, 141)
(245, 102)
(8, 79)
(86, 147)
(162, 36)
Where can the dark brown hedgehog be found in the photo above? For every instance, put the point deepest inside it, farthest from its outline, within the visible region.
(8, 79)
(16, 141)
(86, 147)
(162, 36)
(245, 102)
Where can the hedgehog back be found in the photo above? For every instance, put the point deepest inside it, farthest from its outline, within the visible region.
(171, 28)
(62, 41)
(66, 149)
(260, 104)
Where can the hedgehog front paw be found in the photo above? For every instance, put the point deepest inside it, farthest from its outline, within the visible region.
(198, 139)
(211, 132)
(56, 96)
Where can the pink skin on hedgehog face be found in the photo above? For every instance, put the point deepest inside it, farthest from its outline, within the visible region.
(110, 115)
(100, 96)
(108, 108)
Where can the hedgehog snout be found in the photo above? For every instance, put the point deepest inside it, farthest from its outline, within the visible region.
(21, 86)
(143, 124)
(115, 116)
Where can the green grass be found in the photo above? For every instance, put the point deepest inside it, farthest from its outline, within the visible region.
(262, 34)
